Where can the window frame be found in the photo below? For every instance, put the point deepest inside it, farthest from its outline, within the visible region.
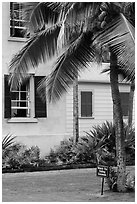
(36, 112)
(80, 103)
(19, 101)
(15, 38)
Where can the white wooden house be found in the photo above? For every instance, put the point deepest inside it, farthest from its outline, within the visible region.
(45, 125)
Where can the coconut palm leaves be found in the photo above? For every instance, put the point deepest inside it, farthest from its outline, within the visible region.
(69, 31)
(119, 36)
(7, 141)
(39, 48)
(71, 61)
(40, 15)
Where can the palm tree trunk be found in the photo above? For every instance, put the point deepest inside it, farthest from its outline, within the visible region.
(131, 98)
(118, 123)
(75, 112)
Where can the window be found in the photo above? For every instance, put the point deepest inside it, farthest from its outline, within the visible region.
(86, 104)
(17, 28)
(20, 103)
(124, 102)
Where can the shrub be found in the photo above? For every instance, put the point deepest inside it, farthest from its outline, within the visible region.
(85, 151)
(30, 157)
(63, 153)
(98, 146)
(101, 142)
(130, 182)
(112, 180)
(102, 138)
(11, 156)
(52, 157)
(19, 156)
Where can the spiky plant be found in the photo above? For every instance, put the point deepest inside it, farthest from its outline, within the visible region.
(100, 143)
(7, 141)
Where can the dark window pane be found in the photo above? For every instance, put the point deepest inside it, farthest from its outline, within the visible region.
(83, 97)
(16, 6)
(14, 96)
(21, 113)
(17, 32)
(86, 104)
(13, 113)
(124, 103)
(88, 98)
(40, 106)
(23, 87)
(18, 113)
(89, 110)
(15, 23)
(83, 110)
(23, 95)
(23, 104)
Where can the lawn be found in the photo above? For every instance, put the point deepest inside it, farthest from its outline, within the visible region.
(76, 185)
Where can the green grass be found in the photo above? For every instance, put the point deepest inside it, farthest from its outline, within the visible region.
(76, 185)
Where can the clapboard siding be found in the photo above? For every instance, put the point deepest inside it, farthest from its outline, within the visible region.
(69, 112)
(102, 106)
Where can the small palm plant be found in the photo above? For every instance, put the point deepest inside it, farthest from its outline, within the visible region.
(7, 141)
(99, 142)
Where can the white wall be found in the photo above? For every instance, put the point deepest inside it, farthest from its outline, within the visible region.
(46, 132)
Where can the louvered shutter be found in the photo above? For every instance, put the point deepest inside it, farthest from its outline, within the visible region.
(40, 106)
(7, 98)
(86, 104)
(124, 103)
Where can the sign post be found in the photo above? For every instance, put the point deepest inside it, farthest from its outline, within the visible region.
(102, 171)
(102, 186)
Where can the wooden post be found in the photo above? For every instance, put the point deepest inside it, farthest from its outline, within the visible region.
(102, 186)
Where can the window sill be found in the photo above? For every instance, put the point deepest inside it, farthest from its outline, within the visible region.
(17, 39)
(22, 120)
(86, 117)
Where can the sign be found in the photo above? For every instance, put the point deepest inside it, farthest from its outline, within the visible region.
(103, 171)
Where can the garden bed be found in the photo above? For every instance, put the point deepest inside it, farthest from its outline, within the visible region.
(49, 168)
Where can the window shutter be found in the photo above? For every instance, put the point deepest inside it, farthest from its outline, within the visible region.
(86, 104)
(124, 103)
(40, 106)
(7, 98)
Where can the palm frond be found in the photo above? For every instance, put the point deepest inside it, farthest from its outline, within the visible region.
(7, 141)
(78, 18)
(39, 48)
(39, 15)
(120, 37)
(106, 70)
(67, 67)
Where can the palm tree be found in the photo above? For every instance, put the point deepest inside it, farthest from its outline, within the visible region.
(76, 32)
(75, 112)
